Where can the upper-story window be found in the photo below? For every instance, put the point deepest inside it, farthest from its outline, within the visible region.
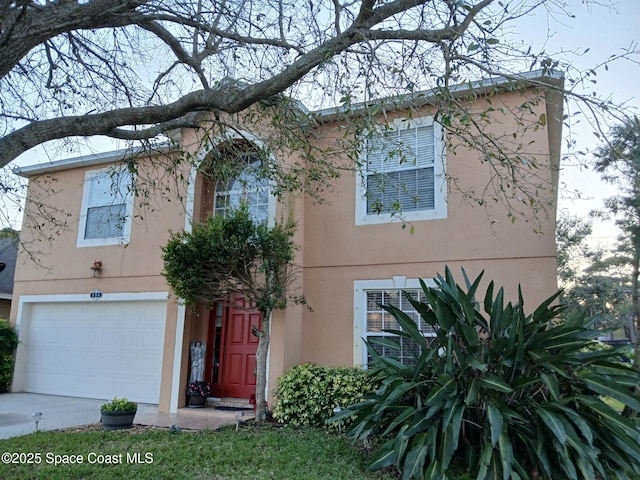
(248, 187)
(107, 205)
(404, 174)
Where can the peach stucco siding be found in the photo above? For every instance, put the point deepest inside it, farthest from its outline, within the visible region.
(334, 253)
(62, 268)
(474, 237)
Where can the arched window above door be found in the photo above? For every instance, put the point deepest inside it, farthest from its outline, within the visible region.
(246, 186)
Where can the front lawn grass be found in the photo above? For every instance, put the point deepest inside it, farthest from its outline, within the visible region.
(254, 452)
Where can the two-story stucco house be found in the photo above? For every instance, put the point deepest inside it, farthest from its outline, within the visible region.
(101, 320)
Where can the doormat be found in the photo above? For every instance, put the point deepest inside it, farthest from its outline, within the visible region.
(234, 409)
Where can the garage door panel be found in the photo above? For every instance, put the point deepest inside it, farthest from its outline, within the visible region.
(96, 350)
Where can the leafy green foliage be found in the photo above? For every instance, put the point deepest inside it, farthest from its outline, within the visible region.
(605, 299)
(595, 284)
(8, 343)
(232, 254)
(505, 394)
(619, 163)
(119, 405)
(571, 236)
(307, 394)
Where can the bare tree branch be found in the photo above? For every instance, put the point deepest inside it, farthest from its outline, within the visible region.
(135, 69)
(219, 98)
(32, 25)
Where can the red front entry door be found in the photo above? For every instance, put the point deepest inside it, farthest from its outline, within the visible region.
(240, 346)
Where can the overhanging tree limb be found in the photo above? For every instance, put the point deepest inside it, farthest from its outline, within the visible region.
(46, 22)
(134, 69)
(217, 98)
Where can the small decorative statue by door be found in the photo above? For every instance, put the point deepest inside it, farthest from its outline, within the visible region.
(198, 389)
(198, 350)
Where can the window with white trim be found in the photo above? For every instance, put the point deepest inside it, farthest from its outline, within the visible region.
(379, 320)
(107, 205)
(371, 319)
(247, 187)
(404, 174)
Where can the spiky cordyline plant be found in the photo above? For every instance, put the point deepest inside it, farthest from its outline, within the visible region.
(503, 394)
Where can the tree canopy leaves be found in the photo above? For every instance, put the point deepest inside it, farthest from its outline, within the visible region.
(135, 69)
(619, 162)
(231, 255)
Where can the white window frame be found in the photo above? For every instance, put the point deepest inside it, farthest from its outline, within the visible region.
(440, 185)
(360, 289)
(82, 224)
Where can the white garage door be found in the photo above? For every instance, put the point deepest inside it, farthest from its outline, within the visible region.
(96, 350)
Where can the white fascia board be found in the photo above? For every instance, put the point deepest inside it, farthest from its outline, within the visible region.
(542, 78)
(84, 161)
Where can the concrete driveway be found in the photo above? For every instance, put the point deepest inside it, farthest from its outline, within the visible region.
(16, 411)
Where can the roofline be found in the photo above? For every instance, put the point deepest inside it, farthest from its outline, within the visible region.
(85, 161)
(6, 296)
(542, 78)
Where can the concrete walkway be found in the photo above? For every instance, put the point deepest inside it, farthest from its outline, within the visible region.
(16, 411)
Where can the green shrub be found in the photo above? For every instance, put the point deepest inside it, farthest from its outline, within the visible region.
(119, 405)
(307, 394)
(502, 394)
(8, 343)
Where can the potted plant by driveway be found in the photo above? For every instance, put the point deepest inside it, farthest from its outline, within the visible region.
(118, 414)
(197, 393)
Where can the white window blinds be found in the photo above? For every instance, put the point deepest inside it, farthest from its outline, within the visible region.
(400, 171)
(378, 320)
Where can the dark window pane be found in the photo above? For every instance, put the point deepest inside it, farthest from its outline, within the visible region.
(105, 222)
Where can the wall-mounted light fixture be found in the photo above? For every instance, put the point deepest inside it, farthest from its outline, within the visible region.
(96, 268)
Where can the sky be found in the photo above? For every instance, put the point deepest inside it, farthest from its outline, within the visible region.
(603, 30)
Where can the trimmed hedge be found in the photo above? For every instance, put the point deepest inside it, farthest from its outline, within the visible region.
(8, 343)
(307, 394)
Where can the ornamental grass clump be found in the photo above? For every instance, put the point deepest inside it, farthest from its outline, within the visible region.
(499, 393)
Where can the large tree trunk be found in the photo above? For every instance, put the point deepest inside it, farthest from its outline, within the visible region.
(261, 366)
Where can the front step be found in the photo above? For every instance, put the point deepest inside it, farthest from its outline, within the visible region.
(229, 402)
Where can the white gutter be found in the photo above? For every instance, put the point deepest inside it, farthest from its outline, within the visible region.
(537, 77)
(542, 78)
(86, 160)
